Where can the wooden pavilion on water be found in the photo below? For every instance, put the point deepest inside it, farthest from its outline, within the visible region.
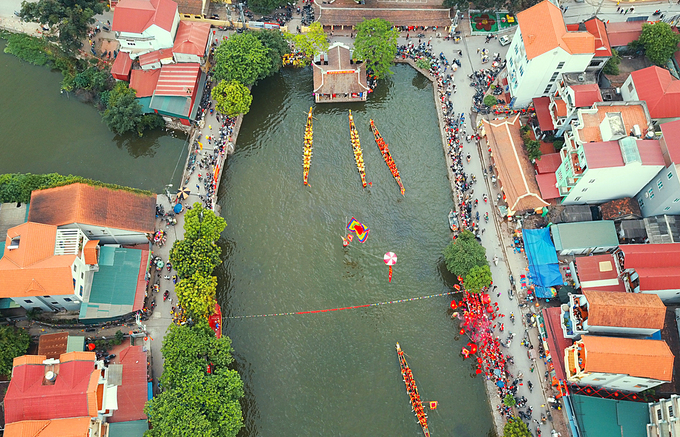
(337, 78)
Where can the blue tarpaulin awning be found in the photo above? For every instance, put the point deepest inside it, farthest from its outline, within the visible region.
(543, 263)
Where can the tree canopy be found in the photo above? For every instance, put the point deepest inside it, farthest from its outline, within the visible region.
(243, 58)
(660, 42)
(264, 7)
(477, 278)
(231, 98)
(276, 45)
(516, 428)
(312, 42)
(376, 45)
(13, 343)
(196, 295)
(198, 256)
(199, 392)
(200, 222)
(71, 17)
(123, 114)
(464, 253)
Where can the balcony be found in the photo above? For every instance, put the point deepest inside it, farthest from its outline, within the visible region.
(69, 242)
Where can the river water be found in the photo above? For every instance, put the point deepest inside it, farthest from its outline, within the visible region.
(43, 131)
(336, 373)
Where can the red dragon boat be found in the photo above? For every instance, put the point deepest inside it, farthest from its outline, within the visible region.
(215, 321)
(382, 145)
(412, 391)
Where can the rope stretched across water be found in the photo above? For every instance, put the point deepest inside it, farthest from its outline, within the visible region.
(299, 313)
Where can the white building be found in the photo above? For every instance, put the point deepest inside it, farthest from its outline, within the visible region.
(618, 363)
(605, 156)
(541, 50)
(612, 312)
(663, 416)
(142, 26)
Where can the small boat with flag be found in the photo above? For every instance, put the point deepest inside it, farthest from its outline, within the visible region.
(356, 147)
(307, 150)
(384, 149)
(215, 321)
(412, 391)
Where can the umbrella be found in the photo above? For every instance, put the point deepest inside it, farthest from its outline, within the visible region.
(178, 208)
(390, 259)
(183, 193)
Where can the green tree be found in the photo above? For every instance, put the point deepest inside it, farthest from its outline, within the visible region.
(660, 42)
(516, 428)
(276, 45)
(72, 18)
(190, 257)
(423, 64)
(312, 42)
(264, 7)
(612, 65)
(231, 98)
(376, 45)
(200, 222)
(243, 58)
(196, 295)
(122, 113)
(464, 253)
(13, 343)
(477, 278)
(533, 149)
(509, 400)
(490, 100)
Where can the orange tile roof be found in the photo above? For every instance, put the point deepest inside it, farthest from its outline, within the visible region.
(632, 114)
(32, 269)
(630, 310)
(543, 29)
(71, 427)
(99, 206)
(626, 356)
(28, 359)
(597, 28)
(77, 356)
(514, 168)
(90, 252)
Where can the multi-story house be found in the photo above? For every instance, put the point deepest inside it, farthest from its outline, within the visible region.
(541, 50)
(658, 89)
(652, 269)
(574, 90)
(613, 313)
(608, 154)
(618, 363)
(663, 417)
(142, 26)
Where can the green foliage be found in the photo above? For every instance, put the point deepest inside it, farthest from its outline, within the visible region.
(516, 428)
(612, 65)
(490, 100)
(660, 42)
(17, 187)
(243, 58)
(264, 7)
(72, 18)
(205, 404)
(423, 64)
(635, 47)
(533, 146)
(120, 336)
(191, 257)
(464, 253)
(477, 278)
(276, 45)
(196, 295)
(376, 45)
(200, 222)
(558, 144)
(231, 98)
(509, 400)
(29, 49)
(13, 343)
(123, 114)
(312, 42)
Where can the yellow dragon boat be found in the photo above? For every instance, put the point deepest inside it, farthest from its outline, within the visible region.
(382, 145)
(307, 152)
(356, 146)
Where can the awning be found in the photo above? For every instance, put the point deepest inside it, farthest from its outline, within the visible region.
(547, 183)
(543, 113)
(541, 257)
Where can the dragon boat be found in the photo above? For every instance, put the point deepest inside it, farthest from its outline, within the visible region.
(384, 149)
(412, 391)
(307, 151)
(356, 146)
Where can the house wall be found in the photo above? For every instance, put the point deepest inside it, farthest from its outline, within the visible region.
(601, 185)
(615, 381)
(671, 296)
(536, 77)
(109, 235)
(152, 38)
(184, 57)
(628, 91)
(665, 200)
(153, 66)
(664, 414)
(49, 303)
(620, 330)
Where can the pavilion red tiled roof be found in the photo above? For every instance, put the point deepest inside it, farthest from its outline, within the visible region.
(144, 81)
(121, 66)
(192, 38)
(135, 16)
(659, 89)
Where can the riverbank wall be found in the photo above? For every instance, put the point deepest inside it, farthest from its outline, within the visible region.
(489, 386)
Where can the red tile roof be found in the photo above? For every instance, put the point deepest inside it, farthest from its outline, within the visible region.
(660, 90)
(135, 16)
(658, 265)
(671, 136)
(73, 394)
(99, 206)
(556, 341)
(621, 33)
(178, 80)
(630, 310)
(155, 56)
(121, 66)
(132, 393)
(603, 155)
(547, 184)
(650, 152)
(543, 113)
(543, 29)
(596, 268)
(144, 81)
(548, 163)
(596, 27)
(586, 95)
(192, 38)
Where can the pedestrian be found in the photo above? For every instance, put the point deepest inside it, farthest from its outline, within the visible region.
(198, 187)
(618, 8)
(621, 11)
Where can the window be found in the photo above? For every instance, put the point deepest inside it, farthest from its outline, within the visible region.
(630, 87)
(517, 49)
(74, 268)
(659, 184)
(641, 202)
(592, 181)
(67, 299)
(46, 297)
(55, 303)
(81, 291)
(560, 65)
(521, 70)
(74, 282)
(584, 190)
(670, 411)
(595, 64)
(82, 275)
(28, 301)
(554, 76)
(670, 175)
(577, 199)
(676, 200)
(658, 414)
(650, 193)
(547, 89)
(667, 208)
(511, 62)
(639, 385)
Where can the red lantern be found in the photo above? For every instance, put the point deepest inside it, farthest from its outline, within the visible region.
(454, 305)
(462, 331)
(478, 371)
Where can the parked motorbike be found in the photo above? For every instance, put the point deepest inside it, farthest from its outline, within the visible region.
(166, 295)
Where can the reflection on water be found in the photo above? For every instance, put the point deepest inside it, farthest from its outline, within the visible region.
(336, 373)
